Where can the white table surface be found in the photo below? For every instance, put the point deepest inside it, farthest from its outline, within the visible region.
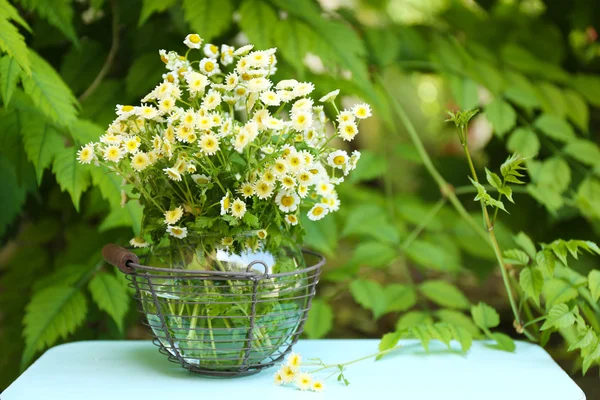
(135, 370)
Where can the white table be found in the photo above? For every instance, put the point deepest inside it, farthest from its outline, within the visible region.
(135, 370)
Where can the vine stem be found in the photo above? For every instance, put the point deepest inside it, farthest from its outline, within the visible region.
(448, 192)
(111, 54)
(378, 354)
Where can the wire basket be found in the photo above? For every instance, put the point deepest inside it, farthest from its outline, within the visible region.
(264, 313)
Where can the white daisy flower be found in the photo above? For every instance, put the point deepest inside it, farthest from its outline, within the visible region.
(211, 51)
(362, 111)
(196, 82)
(330, 96)
(261, 117)
(345, 116)
(302, 191)
(332, 202)
(324, 188)
(287, 373)
(291, 219)
(256, 85)
(226, 54)
(303, 381)
(85, 155)
(263, 189)
(193, 41)
(338, 159)
(227, 241)
(318, 212)
(317, 386)
(242, 51)
(201, 179)
(225, 204)
(166, 105)
(347, 130)
(174, 215)
(238, 208)
(274, 124)
(303, 89)
(211, 100)
(287, 201)
(177, 231)
(246, 189)
(286, 84)
(288, 182)
(138, 242)
(113, 153)
(147, 112)
(241, 141)
(231, 81)
(295, 162)
(140, 161)
(209, 67)
(173, 174)
(189, 118)
(301, 120)
(209, 143)
(304, 104)
(125, 111)
(270, 98)
(262, 234)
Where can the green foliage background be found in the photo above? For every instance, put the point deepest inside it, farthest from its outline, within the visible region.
(398, 252)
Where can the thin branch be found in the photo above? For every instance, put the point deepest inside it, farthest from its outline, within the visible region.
(111, 54)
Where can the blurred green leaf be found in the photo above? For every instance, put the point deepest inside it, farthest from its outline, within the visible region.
(589, 87)
(146, 70)
(373, 254)
(368, 294)
(515, 256)
(321, 235)
(523, 141)
(554, 174)
(577, 109)
(555, 127)
(532, 282)
(411, 319)
(150, 7)
(457, 318)
(521, 97)
(583, 150)
(557, 291)
(399, 297)
(370, 166)
(504, 342)
(524, 242)
(9, 77)
(258, 20)
(208, 18)
(464, 91)
(485, 316)
(444, 294)
(559, 317)
(70, 175)
(42, 142)
(501, 115)
(594, 283)
(59, 13)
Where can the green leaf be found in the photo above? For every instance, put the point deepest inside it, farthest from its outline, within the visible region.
(549, 197)
(373, 254)
(129, 216)
(464, 91)
(589, 87)
(58, 13)
(511, 167)
(501, 115)
(208, 18)
(583, 150)
(545, 260)
(555, 174)
(42, 142)
(369, 294)
(444, 294)
(504, 342)
(591, 358)
(9, 77)
(389, 341)
(321, 235)
(485, 316)
(585, 340)
(320, 319)
(557, 291)
(150, 7)
(143, 74)
(462, 336)
(577, 109)
(532, 282)
(251, 220)
(411, 319)
(441, 331)
(516, 256)
(422, 333)
(432, 254)
(551, 98)
(493, 179)
(80, 66)
(48, 91)
(524, 242)
(52, 313)
(294, 39)
(588, 198)
(70, 175)
(523, 141)
(370, 220)
(85, 131)
(399, 297)
(369, 167)
(522, 97)
(12, 195)
(11, 41)
(111, 296)
(458, 319)
(559, 316)
(555, 127)
(258, 20)
(594, 284)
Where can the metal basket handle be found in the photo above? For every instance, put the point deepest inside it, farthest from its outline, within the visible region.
(119, 257)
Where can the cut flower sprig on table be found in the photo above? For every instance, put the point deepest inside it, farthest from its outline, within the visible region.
(219, 147)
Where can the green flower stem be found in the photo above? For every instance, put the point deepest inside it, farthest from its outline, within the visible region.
(338, 366)
(468, 189)
(446, 190)
(497, 250)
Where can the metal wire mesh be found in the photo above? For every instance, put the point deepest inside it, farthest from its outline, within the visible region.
(224, 323)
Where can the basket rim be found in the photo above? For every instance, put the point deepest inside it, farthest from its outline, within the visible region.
(228, 274)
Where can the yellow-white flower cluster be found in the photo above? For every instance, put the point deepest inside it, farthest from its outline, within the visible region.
(290, 373)
(218, 130)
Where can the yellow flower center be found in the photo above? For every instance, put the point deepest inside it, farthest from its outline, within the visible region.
(241, 91)
(237, 207)
(127, 108)
(177, 231)
(214, 48)
(314, 171)
(287, 201)
(301, 119)
(170, 78)
(209, 66)
(339, 160)
(318, 211)
(85, 153)
(226, 202)
(195, 38)
(164, 59)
